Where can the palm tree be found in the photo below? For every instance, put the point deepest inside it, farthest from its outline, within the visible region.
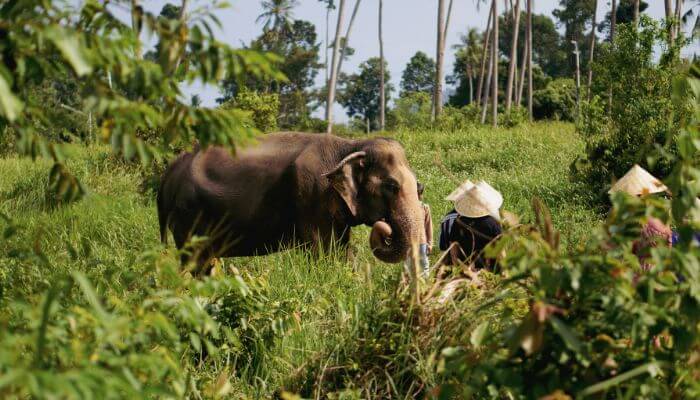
(591, 48)
(345, 42)
(494, 61)
(484, 49)
(334, 68)
(513, 54)
(470, 49)
(529, 57)
(382, 92)
(440, 52)
(277, 13)
(443, 27)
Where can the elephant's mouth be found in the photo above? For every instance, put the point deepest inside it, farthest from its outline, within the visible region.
(384, 244)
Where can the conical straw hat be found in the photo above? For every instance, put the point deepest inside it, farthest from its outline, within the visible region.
(638, 182)
(479, 201)
(466, 185)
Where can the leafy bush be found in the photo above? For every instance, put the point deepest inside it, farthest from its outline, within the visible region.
(556, 101)
(515, 117)
(411, 111)
(263, 108)
(641, 115)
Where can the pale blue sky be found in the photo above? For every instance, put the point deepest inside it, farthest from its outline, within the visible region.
(409, 26)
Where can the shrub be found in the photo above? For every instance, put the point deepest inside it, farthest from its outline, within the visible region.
(515, 117)
(641, 115)
(411, 111)
(556, 101)
(263, 108)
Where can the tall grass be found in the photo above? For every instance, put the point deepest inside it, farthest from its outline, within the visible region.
(332, 302)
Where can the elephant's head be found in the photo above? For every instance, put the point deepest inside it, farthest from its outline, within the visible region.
(380, 190)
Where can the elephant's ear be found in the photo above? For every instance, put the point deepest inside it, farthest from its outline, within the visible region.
(342, 180)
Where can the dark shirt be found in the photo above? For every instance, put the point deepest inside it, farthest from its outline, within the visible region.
(472, 235)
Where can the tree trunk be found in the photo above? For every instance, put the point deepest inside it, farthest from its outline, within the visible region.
(328, 17)
(678, 15)
(382, 93)
(529, 58)
(484, 52)
(669, 16)
(613, 24)
(613, 21)
(591, 50)
(447, 24)
(334, 65)
(635, 13)
(494, 52)
(437, 91)
(346, 43)
(513, 54)
(485, 100)
(523, 69)
(470, 74)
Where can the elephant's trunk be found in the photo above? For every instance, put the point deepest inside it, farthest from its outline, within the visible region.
(391, 242)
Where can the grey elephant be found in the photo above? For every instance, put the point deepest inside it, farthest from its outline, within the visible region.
(291, 189)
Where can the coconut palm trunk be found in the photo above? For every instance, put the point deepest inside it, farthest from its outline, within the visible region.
(494, 61)
(529, 58)
(440, 52)
(513, 55)
(668, 8)
(484, 52)
(334, 69)
(635, 13)
(382, 92)
(591, 50)
(613, 25)
(678, 15)
(346, 42)
(521, 81)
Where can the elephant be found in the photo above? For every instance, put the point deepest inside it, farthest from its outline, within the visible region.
(291, 189)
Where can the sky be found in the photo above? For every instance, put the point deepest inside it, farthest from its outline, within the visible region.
(409, 26)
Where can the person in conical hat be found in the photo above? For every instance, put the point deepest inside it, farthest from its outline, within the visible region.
(466, 185)
(638, 182)
(476, 226)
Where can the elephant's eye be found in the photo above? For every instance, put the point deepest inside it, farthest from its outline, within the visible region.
(391, 186)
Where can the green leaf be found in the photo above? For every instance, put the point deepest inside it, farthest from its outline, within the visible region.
(568, 336)
(479, 334)
(651, 368)
(71, 48)
(10, 105)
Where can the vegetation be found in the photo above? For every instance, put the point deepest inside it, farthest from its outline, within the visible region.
(98, 267)
(93, 306)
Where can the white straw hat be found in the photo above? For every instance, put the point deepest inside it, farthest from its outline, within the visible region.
(638, 182)
(479, 201)
(466, 185)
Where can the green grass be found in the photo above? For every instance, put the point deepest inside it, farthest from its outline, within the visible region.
(333, 300)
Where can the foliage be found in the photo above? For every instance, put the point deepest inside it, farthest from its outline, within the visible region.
(624, 15)
(331, 307)
(264, 108)
(296, 45)
(556, 101)
(575, 16)
(549, 48)
(513, 118)
(597, 325)
(641, 115)
(360, 92)
(419, 75)
(412, 111)
(465, 70)
(125, 94)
